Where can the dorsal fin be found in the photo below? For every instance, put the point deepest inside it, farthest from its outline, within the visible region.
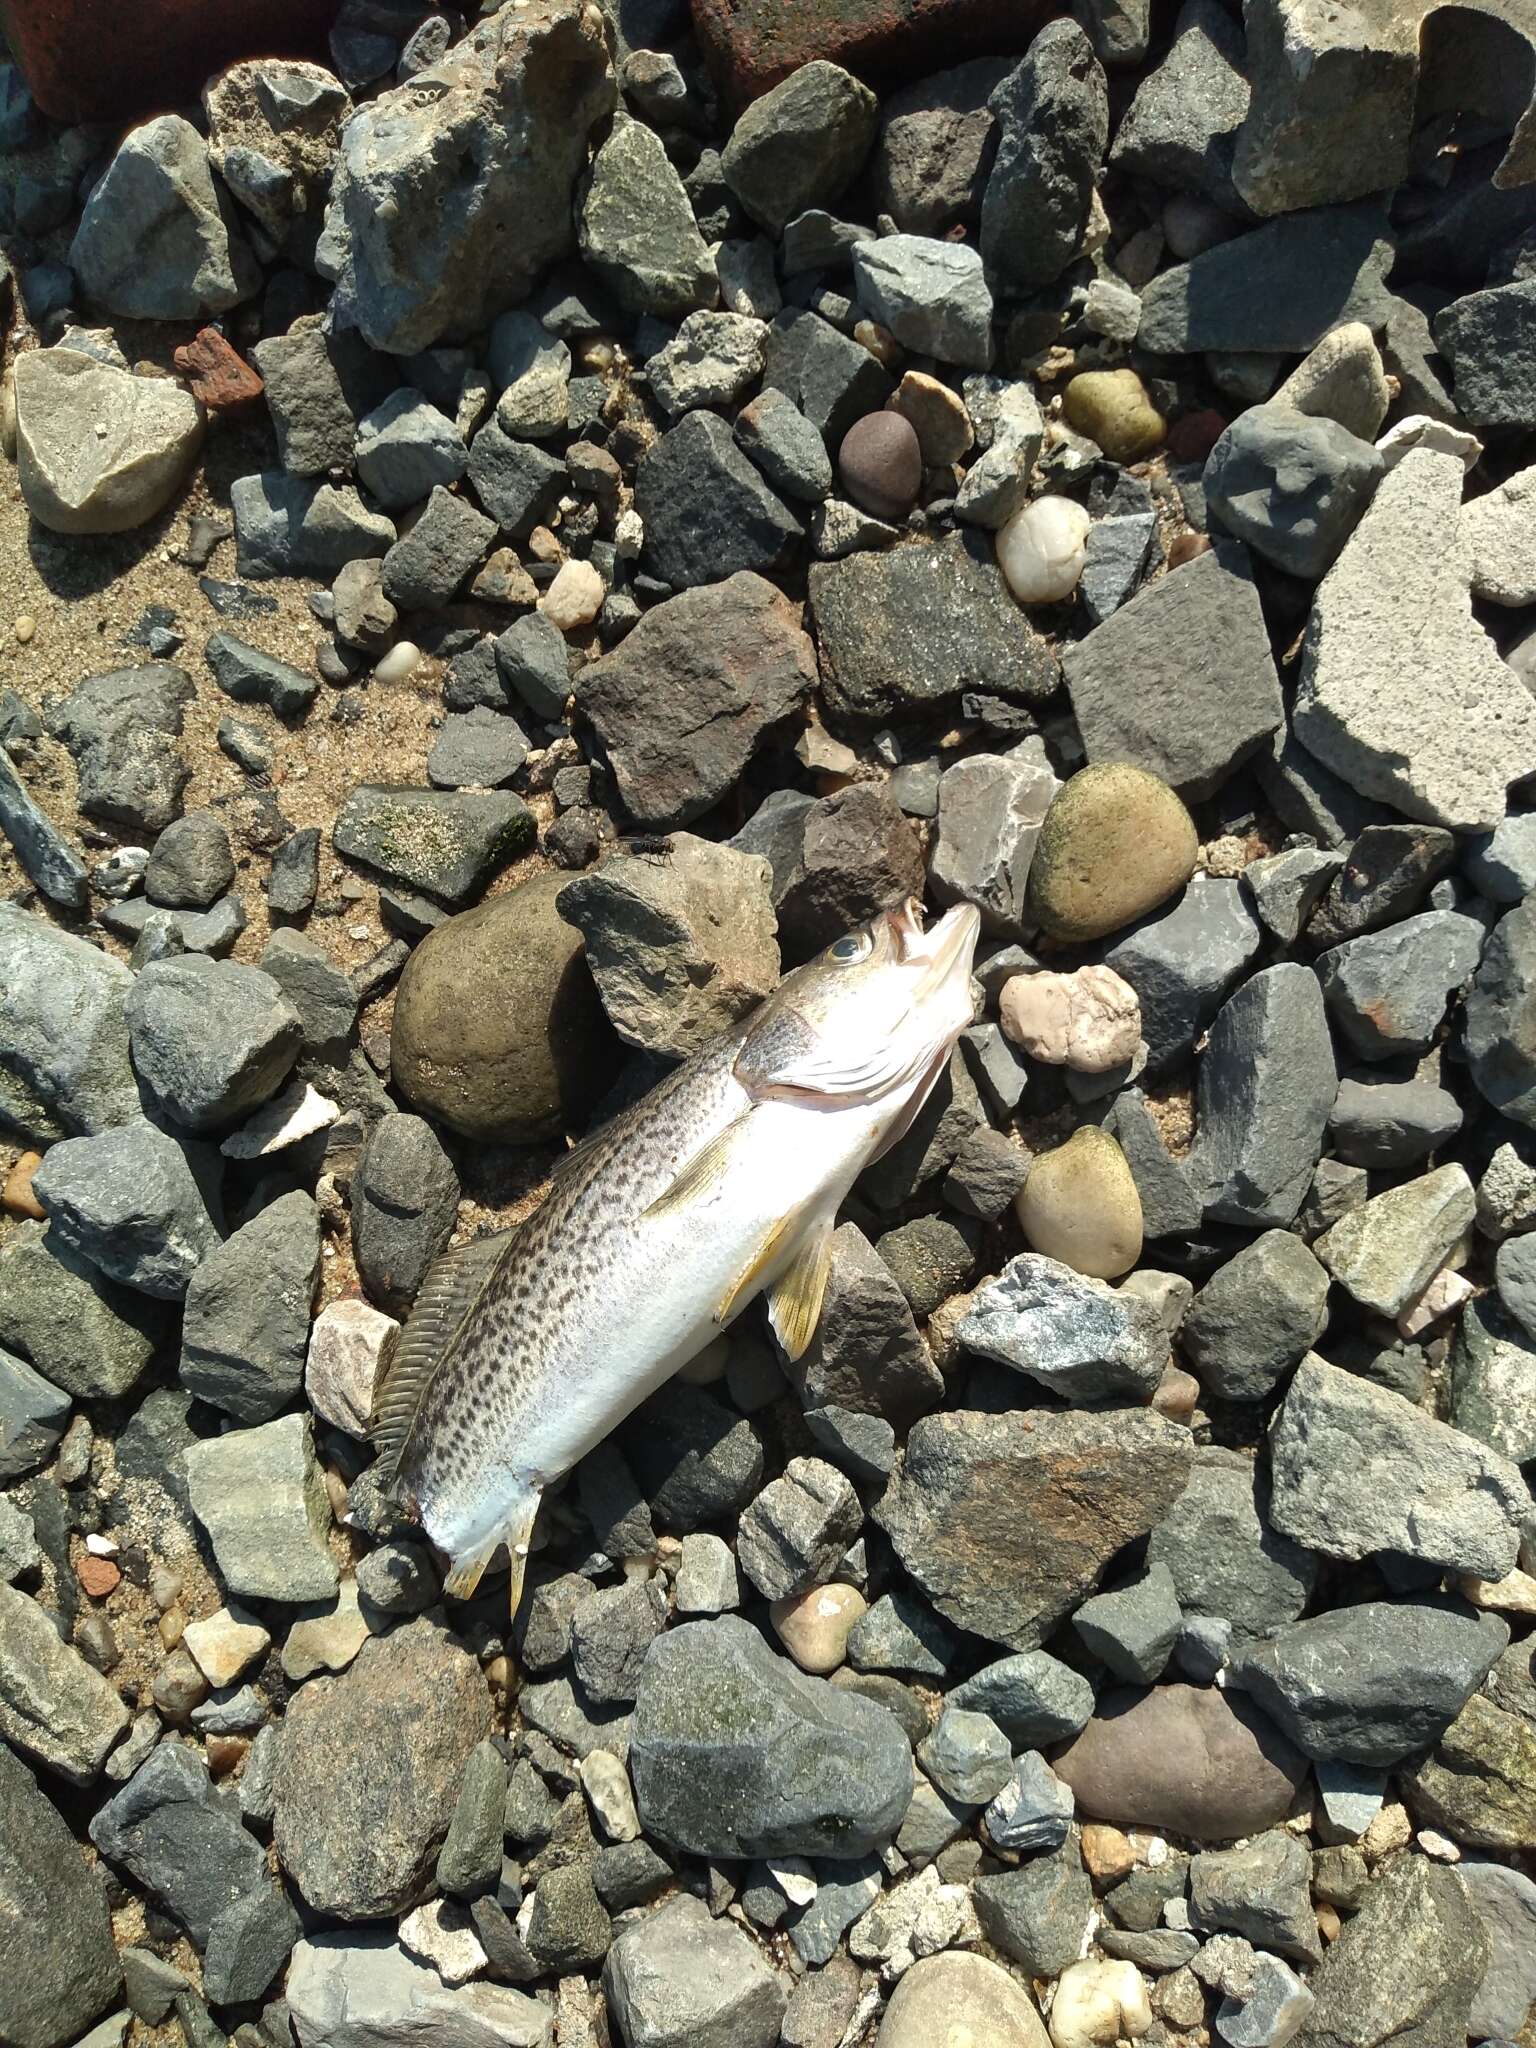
(447, 1296)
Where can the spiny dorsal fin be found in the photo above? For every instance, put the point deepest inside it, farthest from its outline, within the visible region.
(794, 1300)
(703, 1171)
(447, 1295)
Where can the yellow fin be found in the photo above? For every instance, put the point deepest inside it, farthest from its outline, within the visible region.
(461, 1582)
(753, 1272)
(515, 1531)
(447, 1295)
(794, 1300)
(702, 1172)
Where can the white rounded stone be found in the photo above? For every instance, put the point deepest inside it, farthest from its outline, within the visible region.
(1042, 548)
(1090, 1020)
(400, 662)
(1099, 2003)
(574, 598)
(814, 1626)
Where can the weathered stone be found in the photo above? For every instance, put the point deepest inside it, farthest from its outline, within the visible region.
(1074, 1335)
(1180, 128)
(119, 728)
(53, 1707)
(637, 229)
(182, 1840)
(1267, 1083)
(158, 238)
(680, 1979)
(211, 1039)
(708, 512)
(934, 151)
(866, 1355)
(1052, 131)
(1183, 962)
(1405, 1968)
(260, 1496)
(405, 1199)
(1501, 1016)
(134, 1204)
(1385, 1252)
(931, 295)
(991, 808)
(354, 1989)
(82, 1332)
(246, 1326)
(448, 843)
(1226, 1558)
(98, 451)
(63, 1967)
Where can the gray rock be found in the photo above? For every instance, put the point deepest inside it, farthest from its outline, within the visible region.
(64, 1063)
(54, 1709)
(288, 526)
(991, 808)
(453, 192)
(1285, 888)
(1052, 116)
(692, 693)
(158, 239)
(863, 1445)
(736, 1753)
(1504, 1902)
(82, 1332)
(355, 1989)
(1435, 1493)
(1180, 128)
(1039, 1914)
(568, 1928)
(63, 1963)
(866, 1354)
(611, 1630)
(1282, 287)
(1390, 1125)
(1392, 645)
(1226, 1558)
(997, 482)
(249, 676)
(1256, 1317)
(905, 633)
(1388, 990)
(1133, 1629)
(191, 863)
(1493, 1372)
(1501, 864)
(801, 144)
(1501, 1020)
(246, 1327)
(932, 296)
(424, 569)
(314, 422)
(318, 991)
(182, 1839)
(248, 1945)
(792, 455)
(1181, 680)
(1292, 486)
(1074, 1335)
(1267, 1083)
(1406, 1967)
(1514, 1273)
(260, 1496)
(934, 150)
(76, 476)
(679, 1979)
(119, 728)
(47, 859)
(706, 1580)
(211, 1040)
(1486, 338)
(966, 1757)
(1033, 1810)
(1170, 1206)
(797, 1531)
(477, 749)
(1309, 797)
(843, 1895)
(899, 1632)
(533, 369)
(405, 1200)
(695, 1458)
(714, 359)
(447, 843)
(1261, 1891)
(1370, 1684)
(932, 1259)
(167, 934)
(518, 483)
(406, 448)
(988, 1173)
(637, 230)
(1034, 1698)
(835, 863)
(832, 378)
(932, 1821)
(33, 1416)
(707, 511)
(1183, 963)
(1118, 553)
(134, 1203)
(983, 1516)
(531, 657)
(1385, 1252)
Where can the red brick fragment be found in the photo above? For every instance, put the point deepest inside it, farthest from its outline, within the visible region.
(98, 1575)
(223, 380)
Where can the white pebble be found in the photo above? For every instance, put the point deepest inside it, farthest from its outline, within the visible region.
(1042, 548)
(1099, 2003)
(398, 663)
(574, 598)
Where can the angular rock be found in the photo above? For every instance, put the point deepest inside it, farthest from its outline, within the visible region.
(246, 1326)
(98, 451)
(288, 526)
(211, 1039)
(406, 448)
(1004, 1521)
(934, 151)
(1293, 487)
(801, 144)
(1486, 338)
(833, 379)
(453, 192)
(991, 808)
(866, 1355)
(1479, 1783)
(696, 1460)
(63, 1967)
(1256, 1317)
(680, 1979)
(1370, 1684)
(182, 1840)
(350, 1989)
(313, 420)
(1501, 1017)
(1074, 1335)
(687, 698)
(405, 1201)
(1435, 1493)
(1267, 1083)
(63, 1040)
(1504, 1902)
(158, 239)
(47, 859)
(448, 843)
(1388, 990)
(799, 1529)
(1493, 1373)
(518, 483)
(708, 513)
(249, 676)
(637, 230)
(261, 1498)
(33, 1416)
(54, 1708)
(931, 295)
(1133, 1629)
(714, 359)
(1052, 131)
(1039, 1914)
(1180, 128)
(1181, 680)
(1406, 1967)
(1386, 1252)
(119, 728)
(82, 1332)
(777, 436)
(133, 1203)
(1183, 962)
(1226, 1558)
(735, 1753)
(1261, 1891)
(1391, 1125)
(426, 566)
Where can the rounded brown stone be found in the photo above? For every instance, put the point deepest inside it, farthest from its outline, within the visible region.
(1115, 843)
(498, 1029)
(1192, 1759)
(881, 465)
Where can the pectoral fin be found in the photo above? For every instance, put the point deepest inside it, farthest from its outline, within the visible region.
(704, 1171)
(794, 1300)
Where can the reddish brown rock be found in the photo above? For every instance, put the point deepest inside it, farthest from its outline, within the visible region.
(1199, 1762)
(223, 380)
(98, 1575)
(17, 1196)
(749, 45)
(881, 465)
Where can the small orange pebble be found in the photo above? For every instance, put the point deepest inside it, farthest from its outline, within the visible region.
(17, 1195)
(1329, 1925)
(1185, 546)
(98, 1575)
(221, 378)
(224, 1753)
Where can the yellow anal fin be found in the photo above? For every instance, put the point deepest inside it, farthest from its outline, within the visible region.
(705, 1170)
(795, 1298)
(515, 1532)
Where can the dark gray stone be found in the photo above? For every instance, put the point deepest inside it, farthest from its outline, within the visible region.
(191, 863)
(1038, 1915)
(249, 676)
(1170, 1205)
(1261, 1891)
(135, 1203)
(1133, 1629)
(425, 568)
(476, 750)
(935, 148)
(405, 1199)
(62, 1966)
(797, 1531)
(679, 1979)
(708, 512)
(736, 1753)
(448, 843)
(287, 526)
(1226, 1558)
(1388, 1126)
(1183, 962)
(866, 1354)
(1034, 1698)
(33, 1416)
(611, 1630)
(1501, 1017)
(966, 1756)
(211, 1039)
(832, 378)
(792, 455)
(801, 144)
(899, 1632)
(1267, 1083)
(531, 657)
(836, 863)
(1387, 875)
(246, 1328)
(406, 447)
(1256, 1317)
(1388, 990)
(1489, 339)
(1052, 116)
(81, 1331)
(119, 728)
(314, 423)
(47, 859)
(1180, 128)
(518, 483)
(182, 1839)
(318, 990)
(1292, 486)
(695, 1458)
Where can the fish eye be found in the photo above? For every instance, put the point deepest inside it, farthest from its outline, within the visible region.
(856, 946)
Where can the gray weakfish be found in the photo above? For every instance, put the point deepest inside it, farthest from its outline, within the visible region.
(525, 1348)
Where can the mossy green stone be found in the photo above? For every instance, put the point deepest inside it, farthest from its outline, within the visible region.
(1080, 1206)
(1112, 407)
(1116, 842)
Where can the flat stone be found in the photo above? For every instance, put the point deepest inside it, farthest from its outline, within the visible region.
(1486, 338)
(158, 239)
(1267, 1083)
(182, 1839)
(97, 450)
(1385, 1252)
(1074, 1335)
(447, 843)
(1479, 1783)
(63, 1964)
(991, 808)
(260, 1496)
(83, 1333)
(687, 698)
(1183, 962)
(1039, 1914)
(736, 1753)
(358, 1989)
(1392, 1125)
(289, 526)
(1400, 689)
(426, 566)
(54, 1708)
(1194, 1760)
(931, 295)
(1004, 1521)
(1436, 1494)
(1180, 681)
(47, 859)
(119, 728)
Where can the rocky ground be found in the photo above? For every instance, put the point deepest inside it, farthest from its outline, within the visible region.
(517, 538)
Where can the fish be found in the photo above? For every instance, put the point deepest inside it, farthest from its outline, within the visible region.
(526, 1347)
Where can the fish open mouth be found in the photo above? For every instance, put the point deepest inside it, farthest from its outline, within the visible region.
(939, 949)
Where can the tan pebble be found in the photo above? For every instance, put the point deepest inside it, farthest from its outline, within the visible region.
(880, 342)
(25, 628)
(172, 1625)
(575, 597)
(1107, 1853)
(179, 1687)
(1390, 1830)
(1184, 547)
(399, 663)
(1089, 1021)
(1080, 1206)
(500, 1671)
(17, 1196)
(164, 1586)
(1177, 1394)
(1329, 1925)
(1515, 1593)
(336, 1489)
(225, 1753)
(1112, 408)
(98, 1575)
(936, 415)
(543, 546)
(814, 1626)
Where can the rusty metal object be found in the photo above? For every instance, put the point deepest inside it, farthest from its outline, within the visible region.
(117, 60)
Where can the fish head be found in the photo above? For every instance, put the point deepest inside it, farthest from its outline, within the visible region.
(871, 1016)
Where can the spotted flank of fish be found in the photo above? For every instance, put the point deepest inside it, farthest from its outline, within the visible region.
(526, 1348)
